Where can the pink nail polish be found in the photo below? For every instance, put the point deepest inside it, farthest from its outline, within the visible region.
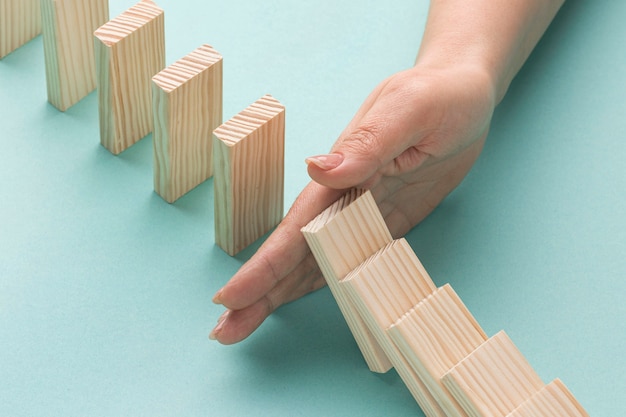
(326, 162)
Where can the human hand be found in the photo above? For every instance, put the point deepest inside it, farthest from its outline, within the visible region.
(412, 142)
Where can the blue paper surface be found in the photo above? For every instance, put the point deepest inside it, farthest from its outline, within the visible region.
(105, 289)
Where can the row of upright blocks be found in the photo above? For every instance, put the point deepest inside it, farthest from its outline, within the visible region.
(400, 319)
(124, 58)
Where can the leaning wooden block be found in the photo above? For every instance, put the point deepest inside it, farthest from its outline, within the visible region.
(129, 51)
(187, 107)
(493, 380)
(554, 400)
(341, 238)
(20, 21)
(68, 27)
(249, 152)
(383, 288)
(435, 336)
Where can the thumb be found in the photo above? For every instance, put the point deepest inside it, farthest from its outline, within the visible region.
(357, 156)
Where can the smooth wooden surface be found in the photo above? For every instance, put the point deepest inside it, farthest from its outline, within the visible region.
(129, 51)
(341, 238)
(553, 400)
(435, 336)
(493, 380)
(249, 174)
(68, 27)
(20, 21)
(382, 289)
(187, 107)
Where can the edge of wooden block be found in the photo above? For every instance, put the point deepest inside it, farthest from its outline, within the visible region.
(472, 382)
(555, 399)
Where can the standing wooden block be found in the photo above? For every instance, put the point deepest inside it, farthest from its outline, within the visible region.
(493, 380)
(249, 152)
(68, 27)
(20, 21)
(554, 400)
(129, 50)
(435, 336)
(341, 238)
(187, 107)
(383, 288)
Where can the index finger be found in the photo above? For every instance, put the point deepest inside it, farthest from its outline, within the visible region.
(280, 254)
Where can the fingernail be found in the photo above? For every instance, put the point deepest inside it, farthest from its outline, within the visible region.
(217, 298)
(222, 317)
(220, 323)
(326, 162)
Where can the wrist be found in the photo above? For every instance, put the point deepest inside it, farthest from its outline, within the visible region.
(478, 78)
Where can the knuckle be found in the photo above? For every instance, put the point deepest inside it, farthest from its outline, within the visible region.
(365, 139)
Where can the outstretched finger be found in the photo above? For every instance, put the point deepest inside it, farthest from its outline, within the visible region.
(280, 255)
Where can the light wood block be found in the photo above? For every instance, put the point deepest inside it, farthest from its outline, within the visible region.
(493, 380)
(435, 336)
(553, 400)
(20, 21)
(187, 107)
(129, 51)
(249, 152)
(341, 238)
(383, 288)
(68, 27)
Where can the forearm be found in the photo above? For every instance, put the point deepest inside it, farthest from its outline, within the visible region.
(495, 36)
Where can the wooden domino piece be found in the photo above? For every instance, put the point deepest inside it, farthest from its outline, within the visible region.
(341, 238)
(129, 51)
(383, 288)
(68, 27)
(20, 21)
(553, 400)
(248, 183)
(434, 336)
(187, 107)
(493, 380)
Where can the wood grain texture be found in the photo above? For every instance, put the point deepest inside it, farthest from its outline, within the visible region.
(187, 107)
(249, 152)
(341, 238)
(129, 51)
(493, 380)
(68, 27)
(20, 21)
(553, 400)
(434, 336)
(383, 288)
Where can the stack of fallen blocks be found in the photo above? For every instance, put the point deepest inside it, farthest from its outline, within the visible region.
(400, 319)
(124, 58)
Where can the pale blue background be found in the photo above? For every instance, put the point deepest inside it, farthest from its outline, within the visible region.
(105, 289)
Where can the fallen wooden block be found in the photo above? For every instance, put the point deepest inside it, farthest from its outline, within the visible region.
(187, 107)
(553, 400)
(383, 288)
(341, 238)
(129, 51)
(493, 380)
(68, 27)
(249, 152)
(434, 336)
(20, 21)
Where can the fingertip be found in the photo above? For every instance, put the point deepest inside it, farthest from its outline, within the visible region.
(352, 172)
(325, 162)
(217, 298)
(215, 333)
